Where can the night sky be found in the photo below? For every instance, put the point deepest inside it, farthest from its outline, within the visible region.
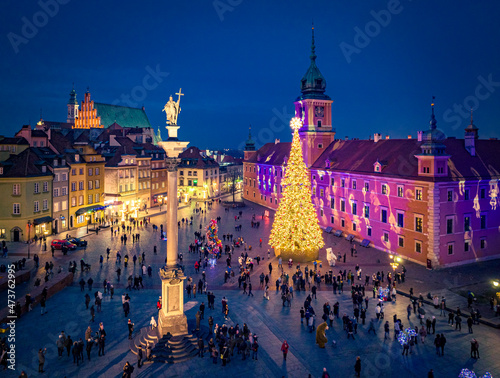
(239, 62)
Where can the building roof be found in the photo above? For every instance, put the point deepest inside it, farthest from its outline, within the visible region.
(25, 164)
(122, 115)
(14, 140)
(271, 153)
(193, 158)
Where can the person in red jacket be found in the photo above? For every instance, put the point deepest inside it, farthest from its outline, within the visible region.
(284, 349)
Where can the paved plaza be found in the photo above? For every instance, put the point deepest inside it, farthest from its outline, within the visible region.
(272, 322)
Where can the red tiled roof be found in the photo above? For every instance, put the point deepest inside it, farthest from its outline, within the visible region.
(271, 153)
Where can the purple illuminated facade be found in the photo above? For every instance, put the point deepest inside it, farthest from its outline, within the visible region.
(433, 200)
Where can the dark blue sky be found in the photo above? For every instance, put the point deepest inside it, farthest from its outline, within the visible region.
(242, 64)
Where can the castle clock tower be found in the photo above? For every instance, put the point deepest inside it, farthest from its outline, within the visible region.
(72, 107)
(314, 108)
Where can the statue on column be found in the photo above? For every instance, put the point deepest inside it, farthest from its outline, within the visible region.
(172, 109)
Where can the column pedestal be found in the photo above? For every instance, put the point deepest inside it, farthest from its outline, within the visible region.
(171, 318)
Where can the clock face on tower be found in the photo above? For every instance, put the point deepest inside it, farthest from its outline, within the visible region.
(319, 111)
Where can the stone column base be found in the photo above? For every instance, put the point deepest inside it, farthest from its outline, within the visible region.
(176, 325)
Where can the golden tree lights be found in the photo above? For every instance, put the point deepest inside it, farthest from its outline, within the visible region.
(295, 233)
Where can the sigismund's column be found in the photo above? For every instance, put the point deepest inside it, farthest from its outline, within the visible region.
(171, 318)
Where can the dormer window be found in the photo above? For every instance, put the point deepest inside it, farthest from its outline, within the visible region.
(77, 158)
(327, 163)
(55, 163)
(44, 168)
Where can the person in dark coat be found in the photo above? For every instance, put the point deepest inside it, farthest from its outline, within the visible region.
(90, 344)
(139, 357)
(201, 346)
(357, 366)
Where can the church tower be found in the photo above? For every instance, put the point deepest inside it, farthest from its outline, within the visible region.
(72, 107)
(314, 108)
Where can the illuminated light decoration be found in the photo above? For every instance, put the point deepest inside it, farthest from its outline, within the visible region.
(383, 294)
(466, 373)
(403, 338)
(295, 232)
(411, 332)
(214, 245)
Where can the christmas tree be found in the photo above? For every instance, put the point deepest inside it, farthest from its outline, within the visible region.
(296, 233)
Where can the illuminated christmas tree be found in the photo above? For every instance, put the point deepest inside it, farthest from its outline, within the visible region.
(296, 233)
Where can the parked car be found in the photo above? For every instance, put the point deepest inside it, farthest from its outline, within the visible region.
(78, 242)
(58, 244)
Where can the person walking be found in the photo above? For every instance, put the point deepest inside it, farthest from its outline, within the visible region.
(130, 329)
(127, 370)
(41, 359)
(443, 343)
(469, 324)
(139, 357)
(101, 344)
(437, 344)
(201, 347)
(357, 366)
(284, 349)
(250, 289)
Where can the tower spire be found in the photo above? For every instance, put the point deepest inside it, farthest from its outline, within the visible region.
(313, 46)
(433, 117)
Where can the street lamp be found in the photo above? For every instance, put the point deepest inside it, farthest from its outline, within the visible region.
(29, 238)
(88, 219)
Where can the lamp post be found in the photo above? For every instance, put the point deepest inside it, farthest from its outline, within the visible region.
(29, 238)
(88, 219)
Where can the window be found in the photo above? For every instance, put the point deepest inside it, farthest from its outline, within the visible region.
(195, 173)
(342, 222)
(189, 173)
(332, 181)
(418, 246)
(90, 183)
(56, 176)
(56, 206)
(483, 221)
(419, 223)
(483, 243)
(45, 204)
(467, 246)
(449, 225)
(384, 188)
(16, 208)
(386, 236)
(181, 173)
(450, 195)
(73, 172)
(16, 189)
(342, 182)
(321, 213)
(81, 185)
(401, 217)
(64, 177)
(321, 192)
(400, 191)
(73, 201)
(332, 202)
(90, 198)
(354, 226)
(383, 215)
(466, 223)
(36, 206)
(126, 187)
(483, 193)
(64, 191)
(367, 186)
(332, 218)
(73, 186)
(354, 207)
(354, 184)
(401, 241)
(97, 197)
(97, 184)
(450, 248)
(97, 171)
(56, 192)
(80, 200)
(314, 176)
(90, 171)
(466, 194)
(418, 194)
(81, 171)
(366, 211)
(80, 219)
(369, 231)
(189, 183)
(64, 205)
(342, 204)
(37, 188)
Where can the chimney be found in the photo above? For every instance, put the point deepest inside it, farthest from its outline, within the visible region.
(420, 135)
(470, 144)
(346, 138)
(377, 137)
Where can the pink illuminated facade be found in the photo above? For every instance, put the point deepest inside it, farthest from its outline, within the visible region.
(433, 200)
